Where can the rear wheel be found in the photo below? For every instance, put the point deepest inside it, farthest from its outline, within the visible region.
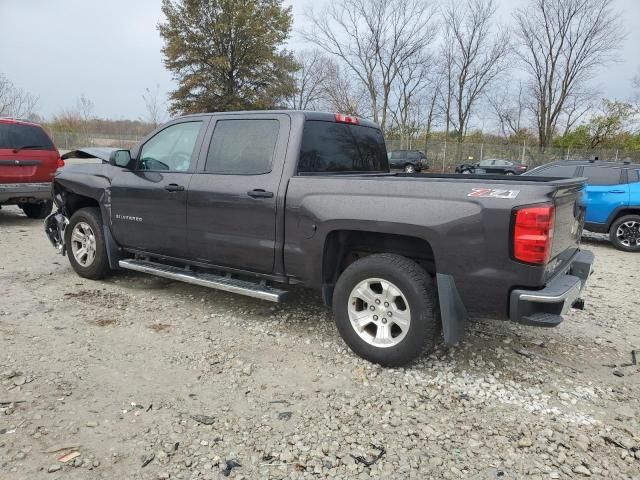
(625, 233)
(85, 244)
(385, 309)
(509, 173)
(37, 210)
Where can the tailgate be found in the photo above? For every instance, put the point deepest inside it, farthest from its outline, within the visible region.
(569, 221)
(27, 166)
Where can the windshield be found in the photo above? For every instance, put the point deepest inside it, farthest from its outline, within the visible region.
(14, 135)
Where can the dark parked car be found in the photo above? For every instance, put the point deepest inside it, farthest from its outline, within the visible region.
(612, 197)
(493, 166)
(240, 201)
(28, 161)
(408, 160)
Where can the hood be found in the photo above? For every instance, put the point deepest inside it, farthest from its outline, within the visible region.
(90, 152)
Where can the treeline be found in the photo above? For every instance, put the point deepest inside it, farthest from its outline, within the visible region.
(414, 66)
(421, 69)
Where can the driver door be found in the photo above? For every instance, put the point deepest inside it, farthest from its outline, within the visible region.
(149, 202)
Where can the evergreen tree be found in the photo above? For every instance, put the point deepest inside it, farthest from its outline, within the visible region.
(227, 54)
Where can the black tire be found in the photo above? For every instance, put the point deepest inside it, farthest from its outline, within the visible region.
(416, 286)
(509, 173)
(409, 168)
(634, 233)
(99, 268)
(37, 210)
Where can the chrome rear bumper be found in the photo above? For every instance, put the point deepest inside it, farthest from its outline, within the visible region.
(545, 307)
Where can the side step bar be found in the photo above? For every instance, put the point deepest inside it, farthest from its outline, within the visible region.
(219, 282)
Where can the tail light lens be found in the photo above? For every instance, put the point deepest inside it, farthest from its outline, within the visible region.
(533, 234)
(60, 163)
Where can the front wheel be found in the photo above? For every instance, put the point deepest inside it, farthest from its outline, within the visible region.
(85, 244)
(386, 310)
(37, 210)
(625, 233)
(409, 168)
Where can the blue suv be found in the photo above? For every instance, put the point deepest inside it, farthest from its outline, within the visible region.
(613, 197)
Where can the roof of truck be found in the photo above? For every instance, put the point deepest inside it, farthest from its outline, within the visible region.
(308, 115)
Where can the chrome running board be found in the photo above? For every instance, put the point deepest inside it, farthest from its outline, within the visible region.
(211, 280)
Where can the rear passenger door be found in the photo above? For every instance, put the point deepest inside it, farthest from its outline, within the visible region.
(232, 202)
(606, 191)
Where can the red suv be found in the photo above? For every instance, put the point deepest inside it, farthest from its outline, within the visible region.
(28, 161)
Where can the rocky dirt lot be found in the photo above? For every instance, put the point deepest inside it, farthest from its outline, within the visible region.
(141, 378)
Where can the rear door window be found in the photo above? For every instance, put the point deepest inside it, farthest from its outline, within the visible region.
(634, 175)
(602, 175)
(14, 135)
(242, 147)
(338, 147)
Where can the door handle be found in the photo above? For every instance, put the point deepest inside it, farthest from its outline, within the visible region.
(174, 187)
(615, 191)
(259, 193)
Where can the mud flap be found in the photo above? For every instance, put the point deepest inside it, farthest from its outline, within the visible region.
(452, 310)
(113, 250)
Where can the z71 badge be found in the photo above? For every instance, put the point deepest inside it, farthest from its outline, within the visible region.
(493, 193)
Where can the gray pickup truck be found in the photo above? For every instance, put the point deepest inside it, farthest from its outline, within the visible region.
(250, 202)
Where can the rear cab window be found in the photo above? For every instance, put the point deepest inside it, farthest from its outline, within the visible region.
(20, 135)
(329, 147)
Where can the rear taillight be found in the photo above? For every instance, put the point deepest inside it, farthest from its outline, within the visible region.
(533, 234)
(59, 163)
(347, 119)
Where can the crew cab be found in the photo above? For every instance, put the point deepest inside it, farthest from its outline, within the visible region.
(28, 161)
(250, 202)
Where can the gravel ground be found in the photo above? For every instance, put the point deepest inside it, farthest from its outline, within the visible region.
(142, 378)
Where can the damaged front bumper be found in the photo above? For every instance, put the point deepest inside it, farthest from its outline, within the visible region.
(54, 226)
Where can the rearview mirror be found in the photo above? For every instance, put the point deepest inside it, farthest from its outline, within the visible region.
(120, 158)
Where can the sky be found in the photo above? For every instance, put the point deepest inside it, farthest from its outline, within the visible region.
(109, 51)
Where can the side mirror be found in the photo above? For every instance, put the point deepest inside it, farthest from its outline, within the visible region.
(120, 158)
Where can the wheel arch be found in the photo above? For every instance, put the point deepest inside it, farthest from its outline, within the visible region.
(70, 202)
(621, 212)
(343, 247)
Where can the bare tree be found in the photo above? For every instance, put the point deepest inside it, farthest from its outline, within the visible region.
(375, 39)
(576, 107)
(636, 85)
(340, 94)
(76, 120)
(509, 107)
(473, 56)
(410, 83)
(562, 44)
(311, 76)
(14, 101)
(155, 107)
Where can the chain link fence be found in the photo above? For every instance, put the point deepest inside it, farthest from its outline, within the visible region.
(444, 156)
(71, 140)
